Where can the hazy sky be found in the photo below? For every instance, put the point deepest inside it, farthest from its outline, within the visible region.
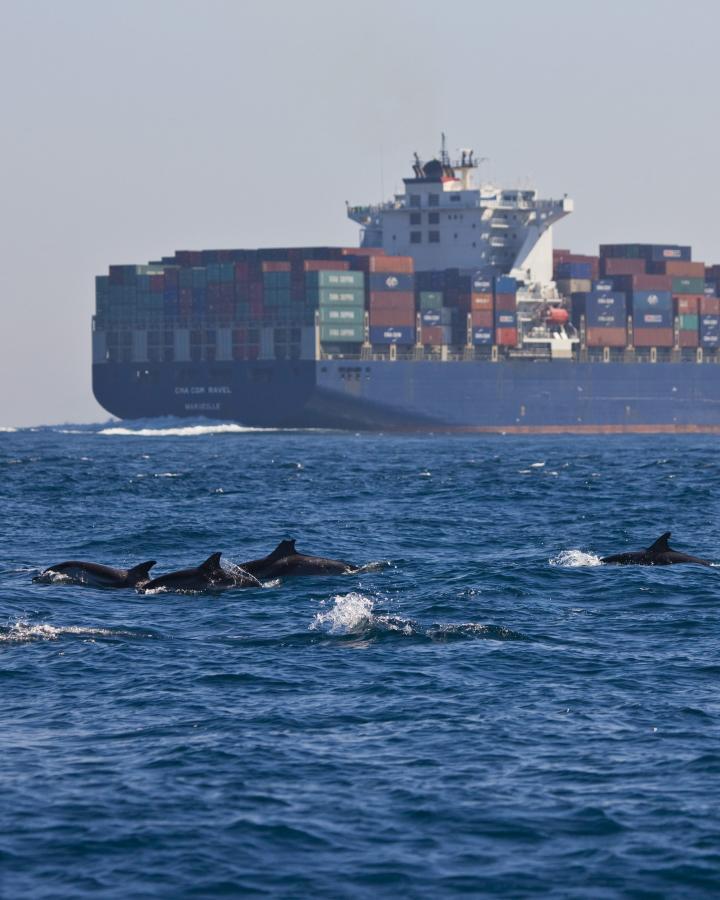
(135, 128)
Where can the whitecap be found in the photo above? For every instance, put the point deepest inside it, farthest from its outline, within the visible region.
(573, 559)
(22, 632)
(537, 465)
(186, 431)
(168, 475)
(7, 429)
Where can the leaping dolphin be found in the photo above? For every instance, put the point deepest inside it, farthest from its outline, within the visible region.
(657, 554)
(95, 575)
(208, 576)
(286, 561)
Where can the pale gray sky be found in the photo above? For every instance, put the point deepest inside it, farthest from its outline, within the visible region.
(135, 128)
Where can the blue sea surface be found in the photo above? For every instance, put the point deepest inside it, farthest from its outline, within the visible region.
(485, 711)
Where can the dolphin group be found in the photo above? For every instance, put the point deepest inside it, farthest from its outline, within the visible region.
(283, 562)
(658, 554)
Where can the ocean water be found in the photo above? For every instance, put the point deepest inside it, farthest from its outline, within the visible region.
(485, 711)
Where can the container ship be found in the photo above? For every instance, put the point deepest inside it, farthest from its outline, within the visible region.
(454, 313)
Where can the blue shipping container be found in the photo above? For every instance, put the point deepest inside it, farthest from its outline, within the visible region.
(505, 319)
(709, 290)
(481, 284)
(392, 334)
(504, 284)
(482, 335)
(605, 285)
(569, 270)
(668, 252)
(437, 317)
(710, 331)
(384, 281)
(652, 309)
(605, 309)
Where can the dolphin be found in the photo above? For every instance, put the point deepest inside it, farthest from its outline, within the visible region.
(286, 561)
(95, 575)
(208, 576)
(657, 554)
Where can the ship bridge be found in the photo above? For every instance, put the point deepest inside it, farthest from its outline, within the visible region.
(446, 218)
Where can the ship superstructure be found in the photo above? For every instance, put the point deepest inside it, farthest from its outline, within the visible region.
(447, 218)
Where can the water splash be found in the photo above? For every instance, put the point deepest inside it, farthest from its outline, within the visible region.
(574, 559)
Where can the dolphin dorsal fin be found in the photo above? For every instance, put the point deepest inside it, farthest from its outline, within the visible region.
(211, 563)
(661, 544)
(284, 548)
(142, 568)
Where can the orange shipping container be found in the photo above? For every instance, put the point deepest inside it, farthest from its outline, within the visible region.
(709, 306)
(275, 266)
(482, 302)
(621, 266)
(362, 251)
(687, 304)
(435, 334)
(689, 338)
(398, 264)
(606, 337)
(680, 268)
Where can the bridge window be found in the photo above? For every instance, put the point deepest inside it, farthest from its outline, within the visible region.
(454, 198)
(415, 237)
(414, 218)
(433, 218)
(433, 200)
(415, 200)
(434, 237)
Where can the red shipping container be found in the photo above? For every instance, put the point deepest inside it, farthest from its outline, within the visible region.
(505, 302)
(506, 337)
(687, 304)
(322, 265)
(241, 271)
(709, 306)
(689, 338)
(629, 283)
(434, 334)
(275, 266)
(606, 337)
(610, 265)
(653, 337)
(482, 302)
(399, 317)
(157, 284)
(482, 318)
(404, 300)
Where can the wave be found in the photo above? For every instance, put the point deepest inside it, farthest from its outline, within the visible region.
(353, 614)
(574, 559)
(7, 429)
(22, 631)
(182, 431)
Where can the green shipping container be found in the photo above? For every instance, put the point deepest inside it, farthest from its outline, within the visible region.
(331, 297)
(343, 315)
(689, 323)
(688, 285)
(431, 299)
(336, 279)
(351, 334)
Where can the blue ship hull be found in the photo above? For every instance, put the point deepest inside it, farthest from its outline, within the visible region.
(511, 396)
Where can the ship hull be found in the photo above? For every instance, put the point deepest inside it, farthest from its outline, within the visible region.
(512, 396)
